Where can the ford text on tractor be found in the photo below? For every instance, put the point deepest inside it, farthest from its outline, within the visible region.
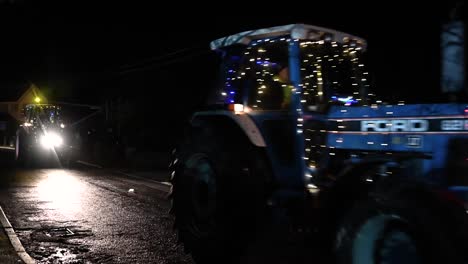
(292, 127)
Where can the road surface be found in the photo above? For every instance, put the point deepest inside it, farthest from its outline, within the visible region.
(97, 216)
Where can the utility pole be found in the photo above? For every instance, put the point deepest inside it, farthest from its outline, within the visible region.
(453, 71)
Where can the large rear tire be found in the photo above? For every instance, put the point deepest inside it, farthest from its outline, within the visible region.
(219, 194)
(396, 226)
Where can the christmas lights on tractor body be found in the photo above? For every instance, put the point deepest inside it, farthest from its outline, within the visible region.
(315, 146)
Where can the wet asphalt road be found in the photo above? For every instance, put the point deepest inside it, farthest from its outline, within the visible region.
(90, 216)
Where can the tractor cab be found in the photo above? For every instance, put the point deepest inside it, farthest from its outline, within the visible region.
(43, 115)
(293, 133)
(285, 79)
(320, 66)
(42, 136)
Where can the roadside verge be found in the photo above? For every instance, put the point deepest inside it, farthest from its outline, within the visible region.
(15, 242)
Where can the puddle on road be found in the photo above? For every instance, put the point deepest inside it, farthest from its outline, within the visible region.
(57, 255)
(54, 246)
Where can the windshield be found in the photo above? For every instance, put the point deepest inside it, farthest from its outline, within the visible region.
(258, 77)
(43, 114)
(332, 73)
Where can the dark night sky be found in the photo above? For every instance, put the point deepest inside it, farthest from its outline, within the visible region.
(78, 53)
(87, 53)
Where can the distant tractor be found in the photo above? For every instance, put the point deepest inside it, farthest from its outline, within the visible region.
(41, 139)
(293, 128)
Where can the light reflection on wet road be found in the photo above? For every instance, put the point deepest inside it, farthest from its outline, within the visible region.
(89, 216)
(62, 192)
(66, 216)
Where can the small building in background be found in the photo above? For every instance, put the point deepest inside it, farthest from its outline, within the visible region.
(12, 102)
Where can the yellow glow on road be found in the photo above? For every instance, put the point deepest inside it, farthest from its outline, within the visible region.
(61, 191)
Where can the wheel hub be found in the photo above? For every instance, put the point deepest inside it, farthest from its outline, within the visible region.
(203, 193)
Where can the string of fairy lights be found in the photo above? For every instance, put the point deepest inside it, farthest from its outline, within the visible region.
(338, 67)
(330, 71)
(257, 65)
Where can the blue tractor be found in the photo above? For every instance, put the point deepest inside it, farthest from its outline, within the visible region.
(292, 127)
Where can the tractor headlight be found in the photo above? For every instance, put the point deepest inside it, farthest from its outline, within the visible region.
(51, 140)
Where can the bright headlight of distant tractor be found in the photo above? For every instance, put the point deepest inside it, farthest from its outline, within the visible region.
(51, 140)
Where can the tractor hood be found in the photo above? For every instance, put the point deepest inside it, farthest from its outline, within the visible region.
(438, 130)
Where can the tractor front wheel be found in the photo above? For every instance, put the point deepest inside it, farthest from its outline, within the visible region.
(396, 225)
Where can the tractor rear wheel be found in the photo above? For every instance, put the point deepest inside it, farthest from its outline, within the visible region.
(219, 194)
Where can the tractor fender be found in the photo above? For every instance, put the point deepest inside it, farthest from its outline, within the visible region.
(242, 121)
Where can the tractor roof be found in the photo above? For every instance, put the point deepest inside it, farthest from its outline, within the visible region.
(42, 105)
(295, 31)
